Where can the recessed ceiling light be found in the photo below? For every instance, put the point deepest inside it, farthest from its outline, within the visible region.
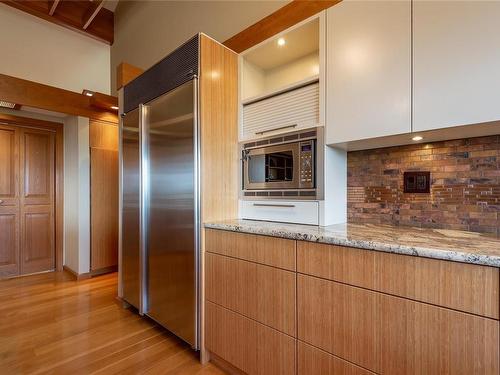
(417, 138)
(114, 107)
(281, 42)
(88, 93)
(7, 104)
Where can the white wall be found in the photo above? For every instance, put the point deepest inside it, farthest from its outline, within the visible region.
(76, 194)
(40, 51)
(146, 31)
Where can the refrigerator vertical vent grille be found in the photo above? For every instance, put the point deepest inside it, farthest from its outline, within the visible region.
(174, 70)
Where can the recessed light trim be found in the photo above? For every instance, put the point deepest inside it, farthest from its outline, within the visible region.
(7, 104)
(281, 42)
(417, 138)
(88, 93)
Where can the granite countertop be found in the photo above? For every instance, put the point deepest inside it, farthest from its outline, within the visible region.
(459, 246)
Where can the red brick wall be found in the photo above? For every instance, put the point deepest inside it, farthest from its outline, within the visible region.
(465, 185)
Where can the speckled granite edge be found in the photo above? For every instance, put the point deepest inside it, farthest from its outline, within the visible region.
(306, 233)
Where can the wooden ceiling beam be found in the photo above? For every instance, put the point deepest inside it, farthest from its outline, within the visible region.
(285, 17)
(91, 13)
(37, 95)
(72, 15)
(53, 5)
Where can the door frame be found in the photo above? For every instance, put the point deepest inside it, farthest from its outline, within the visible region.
(58, 128)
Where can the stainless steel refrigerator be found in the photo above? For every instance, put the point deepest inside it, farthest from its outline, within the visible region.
(160, 224)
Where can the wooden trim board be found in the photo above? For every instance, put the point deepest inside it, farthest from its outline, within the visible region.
(33, 94)
(284, 18)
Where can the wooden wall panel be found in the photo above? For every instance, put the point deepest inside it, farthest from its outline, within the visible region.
(465, 287)
(271, 251)
(104, 208)
(311, 360)
(103, 135)
(248, 345)
(263, 293)
(392, 335)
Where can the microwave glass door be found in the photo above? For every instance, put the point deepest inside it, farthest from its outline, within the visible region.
(272, 167)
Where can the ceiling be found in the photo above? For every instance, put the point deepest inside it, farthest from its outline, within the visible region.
(299, 42)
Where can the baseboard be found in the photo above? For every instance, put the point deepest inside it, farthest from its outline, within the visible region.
(102, 271)
(76, 275)
(224, 365)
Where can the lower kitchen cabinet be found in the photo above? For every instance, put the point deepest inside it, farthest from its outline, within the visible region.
(392, 335)
(346, 311)
(246, 344)
(311, 360)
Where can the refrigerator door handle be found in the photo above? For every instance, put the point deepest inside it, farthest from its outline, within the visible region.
(143, 208)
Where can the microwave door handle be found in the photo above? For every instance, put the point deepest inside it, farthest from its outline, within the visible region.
(272, 130)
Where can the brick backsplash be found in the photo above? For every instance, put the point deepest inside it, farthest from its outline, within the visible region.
(465, 185)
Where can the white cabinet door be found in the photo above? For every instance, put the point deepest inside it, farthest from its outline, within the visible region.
(368, 70)
(456, 63)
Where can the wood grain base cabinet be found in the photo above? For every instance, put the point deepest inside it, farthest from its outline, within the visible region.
(262, 293)
(465, 287)
(247, 344)
(311, 360)
(392, 335)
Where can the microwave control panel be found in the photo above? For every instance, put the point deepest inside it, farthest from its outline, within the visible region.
(307, 164)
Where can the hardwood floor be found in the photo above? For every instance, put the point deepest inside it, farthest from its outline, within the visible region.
(52, 324)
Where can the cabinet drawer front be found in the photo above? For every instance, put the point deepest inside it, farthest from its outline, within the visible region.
(297, 212)
(312, 360)
(277, 252)
(263, 293)
(466, 287)
(248, 345)
(392, 335)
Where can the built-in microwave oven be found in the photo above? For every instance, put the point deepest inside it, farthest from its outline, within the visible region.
(281, 166)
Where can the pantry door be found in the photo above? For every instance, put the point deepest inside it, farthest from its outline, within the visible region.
(27, 195)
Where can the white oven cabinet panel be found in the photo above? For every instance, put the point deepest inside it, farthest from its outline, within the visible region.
(456, 62)
(368, 70)
(285, 112)
(298, 212)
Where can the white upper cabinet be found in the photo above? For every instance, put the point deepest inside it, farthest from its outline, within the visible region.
(456, 63)
(368, 70)
(280, 82)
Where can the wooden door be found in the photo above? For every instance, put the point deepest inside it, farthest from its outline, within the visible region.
(9, 201)
(37, 150)
(27, 192)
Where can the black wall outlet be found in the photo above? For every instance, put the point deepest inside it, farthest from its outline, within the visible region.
(417, 182)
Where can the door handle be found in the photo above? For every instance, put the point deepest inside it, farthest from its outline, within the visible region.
(280, 128)
(273, 205)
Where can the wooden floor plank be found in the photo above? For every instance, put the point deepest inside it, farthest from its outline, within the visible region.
(53, 324)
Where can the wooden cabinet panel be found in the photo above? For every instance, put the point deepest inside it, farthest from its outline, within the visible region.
(368, 70)
(465, 287)
(263, 293)
(272, 251)
(9, 166)
(9, 241)
(104, 208)
(392, 335)
(455, 63)
(248, 345)
(37, 240)
(311, 360)
(38, 152)
(103, 135)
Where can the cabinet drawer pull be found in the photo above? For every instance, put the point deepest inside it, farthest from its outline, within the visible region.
(273, 205)
(280, 128)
